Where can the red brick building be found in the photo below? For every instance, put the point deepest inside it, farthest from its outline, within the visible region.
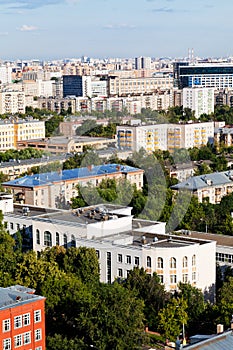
(22, 319)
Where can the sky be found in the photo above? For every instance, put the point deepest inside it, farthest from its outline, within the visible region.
(57, 29)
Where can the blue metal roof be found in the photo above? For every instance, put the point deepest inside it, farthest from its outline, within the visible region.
(197, 182)
(9, 297)
(223, 341)
(78, 173)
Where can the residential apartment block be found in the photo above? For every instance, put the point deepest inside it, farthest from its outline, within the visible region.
(165, 136)
(199, 100)
(12, 102)
(12, 131)
(136, 86)
(55, 189)
(22, 319)
(212, 187)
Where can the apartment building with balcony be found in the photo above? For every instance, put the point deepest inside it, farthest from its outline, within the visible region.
(199, 100)
(12, 102)
(165, 136)
(22, 319)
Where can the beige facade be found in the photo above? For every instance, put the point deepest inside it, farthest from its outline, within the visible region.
(61, 144)
(53, 190)
(136, 86)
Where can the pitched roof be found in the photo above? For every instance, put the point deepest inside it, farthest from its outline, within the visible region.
(207, 180)
(78, 173)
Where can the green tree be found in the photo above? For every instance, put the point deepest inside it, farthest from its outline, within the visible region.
(172, 318)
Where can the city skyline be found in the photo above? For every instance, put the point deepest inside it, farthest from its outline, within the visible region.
(52, 29)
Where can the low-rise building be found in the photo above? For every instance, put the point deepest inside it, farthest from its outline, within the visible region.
(122, 243)
(212, 187)
(22, 319)
(61, 144)
(56, 188)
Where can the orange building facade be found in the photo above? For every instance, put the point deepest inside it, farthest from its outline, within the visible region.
(22, 319)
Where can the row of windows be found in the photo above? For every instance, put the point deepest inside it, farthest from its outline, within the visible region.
(22, 339)
(173, 278)
(21, 321)
(48, 239)
(160, 262)
(221, 257)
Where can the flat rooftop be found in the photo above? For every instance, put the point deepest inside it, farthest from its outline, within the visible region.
(221, 240)
(14, 298)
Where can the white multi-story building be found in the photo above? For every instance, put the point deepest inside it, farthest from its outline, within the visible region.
(199, 100)
(121, 243)
(99, 88)
(5, 74)
(12, 102)
(165, 136)
(142, 62)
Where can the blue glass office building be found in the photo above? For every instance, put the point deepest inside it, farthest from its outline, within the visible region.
(218, 76)
(72, 85)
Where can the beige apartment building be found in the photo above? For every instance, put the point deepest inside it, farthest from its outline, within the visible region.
(55, 189)
(136, 86)
(17, 130)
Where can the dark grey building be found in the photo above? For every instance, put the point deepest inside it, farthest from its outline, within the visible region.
(72, 85)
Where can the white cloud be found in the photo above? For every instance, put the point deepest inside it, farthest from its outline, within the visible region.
(27, 28)
(3, 33)
(119, 26)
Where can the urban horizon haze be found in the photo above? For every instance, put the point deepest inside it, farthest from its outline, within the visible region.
(52, 29)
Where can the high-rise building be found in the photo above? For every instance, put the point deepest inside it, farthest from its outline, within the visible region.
(76, 85)
(142, 62)
(199, 100)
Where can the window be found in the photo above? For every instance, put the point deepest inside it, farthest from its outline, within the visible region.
(119, 258)
(185, 261)
(73, 241)
(65, 240)
(160, 263)
(185, 278)
(11, 225)
(57, 239)
(7, 344)
(161, 278)
(97, 253)
(194, 260)
(38, 348)
(18, 341)
(37, 316)
(172, 263)
(38, 334)
(136, 261)
(172, 279)
(194, 276)
(120, 273)
(6, 325)
(37, 236)
(47, 239)
(26, 319)
(148, 261)
(128, 259)
(17, 321)
(27, 338)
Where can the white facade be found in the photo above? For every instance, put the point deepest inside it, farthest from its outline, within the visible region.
(120, 247)
(99, 88)
(5, 74)
(199, 100)
(12, 102)
(165, 136)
